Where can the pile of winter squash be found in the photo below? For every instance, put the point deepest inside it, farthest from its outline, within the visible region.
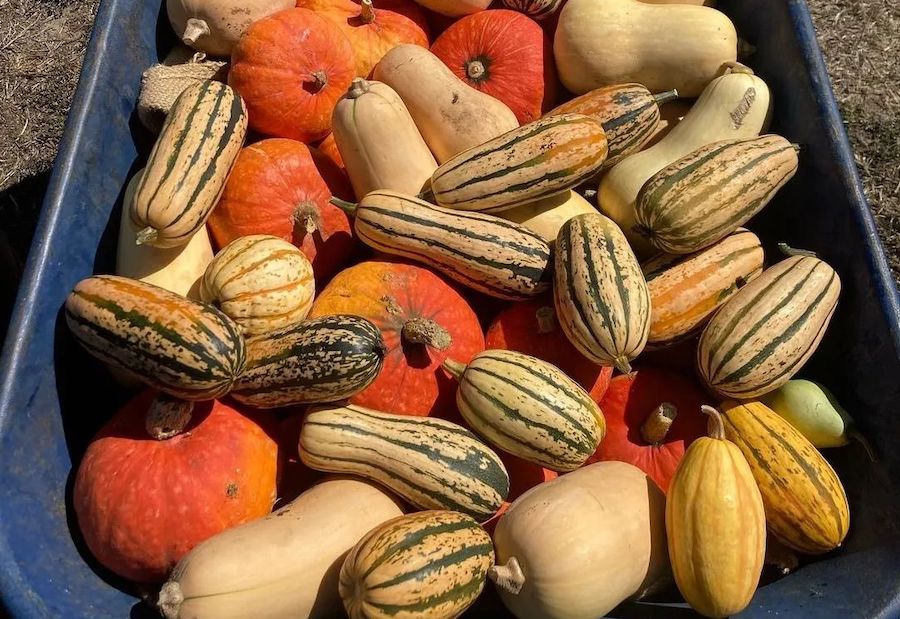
(378, 272)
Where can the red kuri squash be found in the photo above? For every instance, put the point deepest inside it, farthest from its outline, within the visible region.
(505, 54)
(530, 327)
(275, 188)
(291, 68)
(523, 476)
(373, 26)
(638, 408)
(159, 479)
(423, 321)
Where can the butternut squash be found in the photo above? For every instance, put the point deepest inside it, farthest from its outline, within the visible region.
(451, 115)
(177, 269)
(546, 217)
(733, 106)
(379, 142)
(581, 544)
(215, 26)
(284, 566)
(663, 47)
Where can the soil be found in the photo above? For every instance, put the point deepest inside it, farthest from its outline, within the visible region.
(42, 43)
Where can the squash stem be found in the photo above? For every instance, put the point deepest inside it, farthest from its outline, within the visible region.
(745, 49)
(146, 235)
(170, 599)
(736, 67)
(167, 417)
(307, 214)
(358, 88)
(193, 30)
(622, 364)
(320, 80)
(665, 97)
(715, 427)
(790, 252)
(508, 578)
(475, 70)
(348, 207)
(367, 12)
(426, 332)
(546, 320)
(656, 426)
(455, 368)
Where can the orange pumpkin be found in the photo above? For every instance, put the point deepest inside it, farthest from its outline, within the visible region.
(523, 476)
(373, 26)
(638, 407)
(531, 327)
(328, 147)
(291, 68)
(504, 54)
(423, 321)
(143, 501)
(275, 188)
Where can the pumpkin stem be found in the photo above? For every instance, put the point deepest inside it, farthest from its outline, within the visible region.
(508, 578)
(745, 49)
(622, 364)
(790, 252)
(475, 69)
(167, 417)
(367, 14)
(308, 214)
(358, 87)
(193, 30)
(657, 424)
(665, 97)
(780, 556)
(320, 80)
(146, 235)
(715, 426)
(170, 599)
(347, 207)
(546, 320)
(426, 332)
(736, 67)
(455, 368)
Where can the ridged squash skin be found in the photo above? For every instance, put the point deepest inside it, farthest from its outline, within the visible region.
(584, 542)
(451, 115)
(545, 217)
(685, 291)
(629, 114)
(430, 462)
(322, 360)
(529, 408)
(806, 506)
(662, 47)
(379, 142)
(534, 161)
(283, 566)
(187, 168)
(262, 282)
(601, 298)
(429, 565)
(766, 332)
(715, 526)
(706, 195)
(483, 252)
(733, 106)
(186, 349)
(177, 269)
(535, 9)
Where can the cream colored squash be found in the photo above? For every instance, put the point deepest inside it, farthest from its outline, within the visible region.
(662, 46)
(545, 217)
(284, 566)
(451, 115)
(455, 8)
(215, 26)
(177, 269)
(578, 546)
(379, 141)
(734, 106)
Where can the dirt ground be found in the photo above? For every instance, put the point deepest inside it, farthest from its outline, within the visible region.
(42, 43)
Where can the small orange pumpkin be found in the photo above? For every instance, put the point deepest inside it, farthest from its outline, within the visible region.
(291, 68)
(373, 26)
(275, 188)
(163, 475)
(504, 54)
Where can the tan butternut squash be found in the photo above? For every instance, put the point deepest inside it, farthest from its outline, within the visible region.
(451, 115)
(734, 106)
(177, 269)
(215, 26)
(663, 47)
(379, 141)
(546, 217)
